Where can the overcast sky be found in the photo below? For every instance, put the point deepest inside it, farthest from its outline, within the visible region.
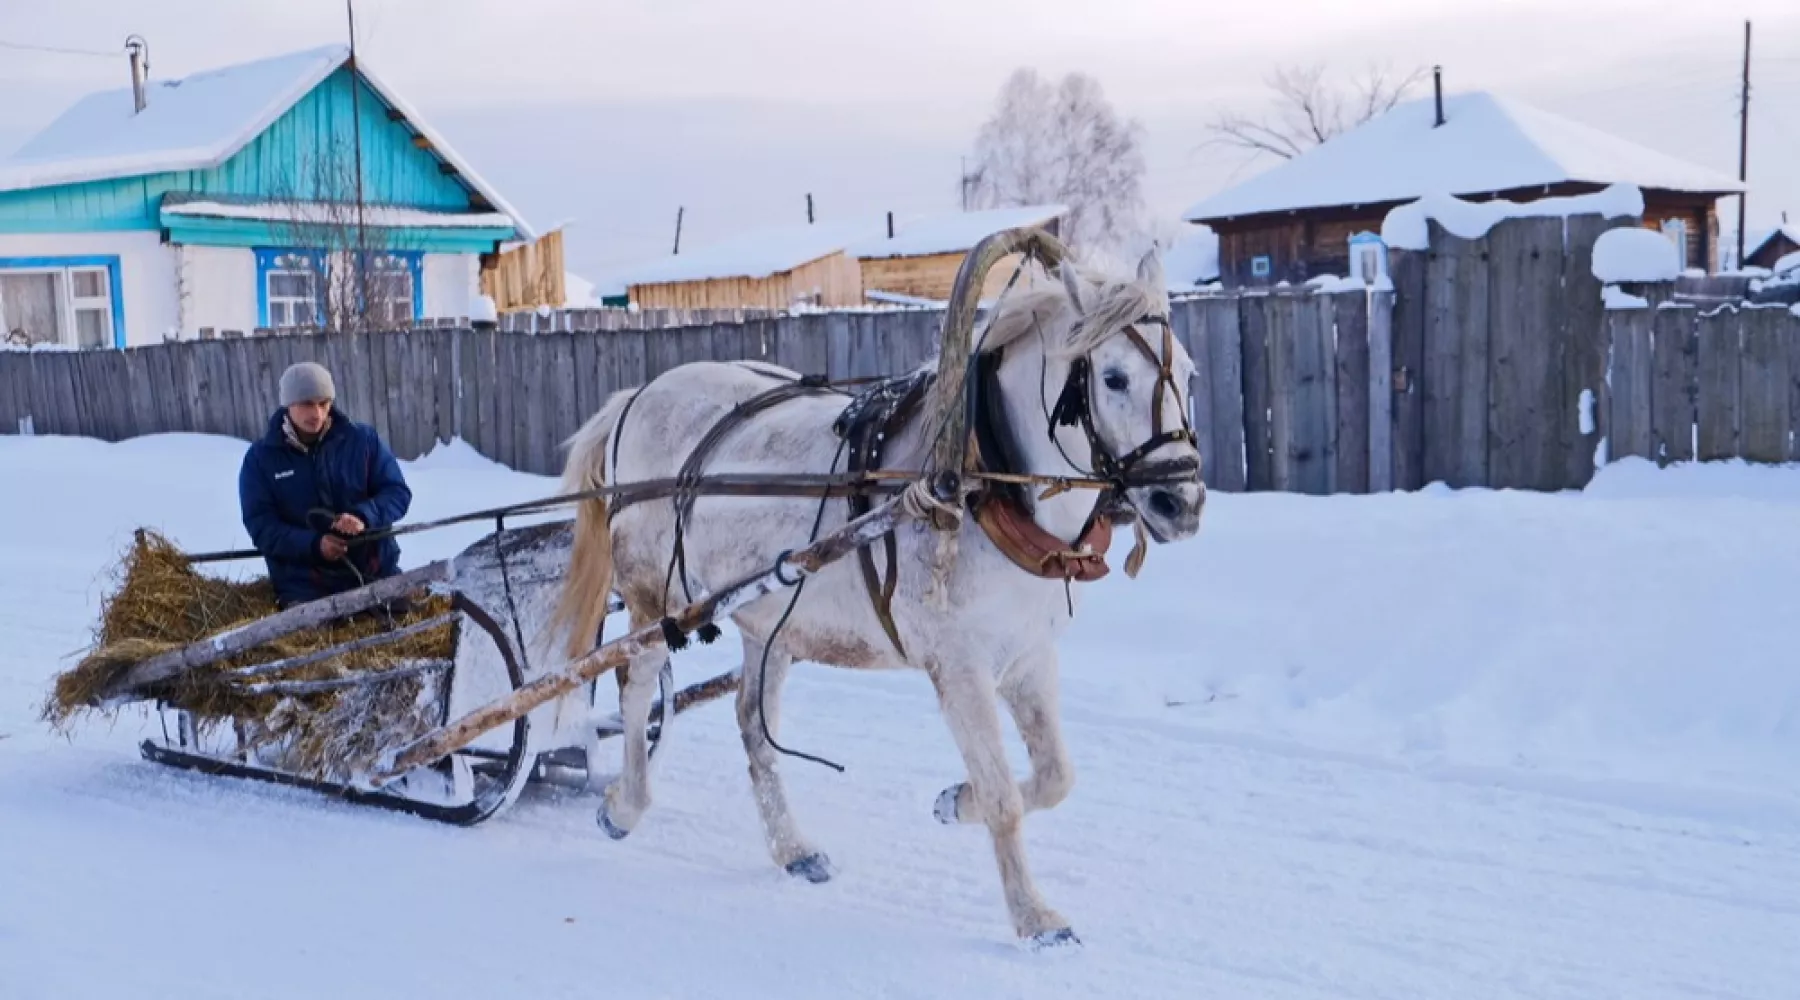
(610, 115)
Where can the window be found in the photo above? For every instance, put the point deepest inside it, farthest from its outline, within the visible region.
(292, 288)
(71, 301)
(392, 290)
(1676, 231)
(1260, 266)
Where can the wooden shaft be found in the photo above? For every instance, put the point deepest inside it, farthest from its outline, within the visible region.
(950, 427)
(252, 634)
(785, 573)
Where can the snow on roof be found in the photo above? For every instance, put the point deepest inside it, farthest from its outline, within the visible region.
(1486, 144)
(322, 212)
(1192, 260)
(953, 232)
(756, 254)
(1791, 231)
(199, 122)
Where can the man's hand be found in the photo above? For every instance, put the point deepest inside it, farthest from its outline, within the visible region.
(348, 524)
(332, 547)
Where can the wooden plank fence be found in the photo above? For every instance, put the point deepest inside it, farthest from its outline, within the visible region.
(1713, 384)
(1289, 392)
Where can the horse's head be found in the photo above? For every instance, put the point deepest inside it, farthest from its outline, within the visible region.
(1127, 390)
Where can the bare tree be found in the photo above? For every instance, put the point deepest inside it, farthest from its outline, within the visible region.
(1062, 143)
(1308, 109)
(348, 266)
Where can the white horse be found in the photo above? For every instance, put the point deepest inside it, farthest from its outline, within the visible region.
(998, 635)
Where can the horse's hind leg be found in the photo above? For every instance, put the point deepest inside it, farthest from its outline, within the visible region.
(1030, 690)
(759, 702)
(629, 795)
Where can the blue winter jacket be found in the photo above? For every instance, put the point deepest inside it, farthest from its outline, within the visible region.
(348, 471)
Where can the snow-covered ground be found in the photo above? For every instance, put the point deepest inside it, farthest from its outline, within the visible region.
(1475, 744)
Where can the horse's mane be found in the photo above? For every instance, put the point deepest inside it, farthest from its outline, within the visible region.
(1109, 304)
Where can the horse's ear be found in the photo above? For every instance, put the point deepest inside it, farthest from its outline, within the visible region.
(1071, 284)
(1150, 270)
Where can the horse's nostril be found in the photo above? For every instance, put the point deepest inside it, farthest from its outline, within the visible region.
(1164, 504)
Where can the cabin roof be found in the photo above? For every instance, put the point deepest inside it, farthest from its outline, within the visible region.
(1790, 230)
(199, 122)
(952, 232)
(1486, 144)
(757, 254)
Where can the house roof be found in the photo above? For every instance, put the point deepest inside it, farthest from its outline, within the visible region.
(757, 254)
(1791, 231)
(1486, 144)
(199, 122)
(953, 232)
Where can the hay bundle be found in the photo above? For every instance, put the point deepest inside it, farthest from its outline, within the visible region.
(161, 603)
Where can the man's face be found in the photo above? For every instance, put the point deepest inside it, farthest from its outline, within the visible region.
(309, 416)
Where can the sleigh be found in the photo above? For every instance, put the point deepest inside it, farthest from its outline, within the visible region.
(503, 710)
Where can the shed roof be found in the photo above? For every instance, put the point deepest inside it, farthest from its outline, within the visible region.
(953, 232)
(1789, 230)
(199, 122)
(1486, 144)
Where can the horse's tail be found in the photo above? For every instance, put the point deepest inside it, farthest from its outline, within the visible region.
(581, 608)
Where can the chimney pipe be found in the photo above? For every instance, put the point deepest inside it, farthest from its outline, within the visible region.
(890, 225)
(1437, 87)
(140, 70)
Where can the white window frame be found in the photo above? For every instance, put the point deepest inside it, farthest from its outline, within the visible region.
(68, 304)
(290, 303)
(389, 264)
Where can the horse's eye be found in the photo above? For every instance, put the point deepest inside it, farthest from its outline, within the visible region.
(1116, 381)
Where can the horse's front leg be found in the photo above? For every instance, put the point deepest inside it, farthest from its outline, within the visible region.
(629, 795)
(759, 704)
(1030, 690)
(967, 698)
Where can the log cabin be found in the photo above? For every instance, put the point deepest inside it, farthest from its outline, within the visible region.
(918, 259)
(767, 269)
(1298, 220)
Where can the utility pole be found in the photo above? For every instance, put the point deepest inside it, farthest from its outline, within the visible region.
(362, 245)
(1743, 145)
(678, 213)
(809, 211)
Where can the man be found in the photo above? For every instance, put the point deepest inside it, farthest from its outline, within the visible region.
(311, 485)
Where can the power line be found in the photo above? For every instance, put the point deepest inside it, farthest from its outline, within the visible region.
(24, 47)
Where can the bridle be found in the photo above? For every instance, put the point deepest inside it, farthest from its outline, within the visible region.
(1123, 473)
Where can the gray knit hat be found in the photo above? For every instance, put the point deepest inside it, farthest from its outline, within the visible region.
(304, 382)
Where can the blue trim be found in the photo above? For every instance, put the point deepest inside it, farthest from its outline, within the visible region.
(265, 262)
(115, 290)
(203, 231)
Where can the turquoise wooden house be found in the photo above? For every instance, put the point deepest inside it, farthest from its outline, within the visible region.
(278, 193)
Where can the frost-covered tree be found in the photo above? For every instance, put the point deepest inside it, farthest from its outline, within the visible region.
(1063, 142)
(1306, 109)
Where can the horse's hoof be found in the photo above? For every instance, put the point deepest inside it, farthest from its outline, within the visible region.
(605, 822)
(1062, 937)
(815, 868)
(945, 809)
